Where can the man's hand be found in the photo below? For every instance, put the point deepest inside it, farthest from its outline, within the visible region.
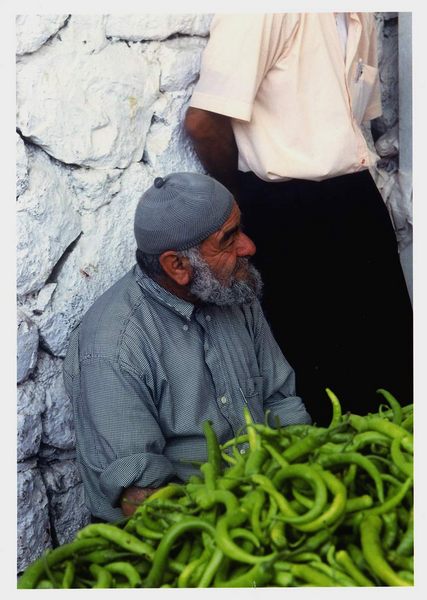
(132, 497)
(214, 143)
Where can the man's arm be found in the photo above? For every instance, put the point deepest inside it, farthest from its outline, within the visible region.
(214, 143)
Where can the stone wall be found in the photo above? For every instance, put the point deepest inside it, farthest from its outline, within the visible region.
(100, 104)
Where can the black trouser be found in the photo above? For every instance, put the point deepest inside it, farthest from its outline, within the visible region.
(334, 290)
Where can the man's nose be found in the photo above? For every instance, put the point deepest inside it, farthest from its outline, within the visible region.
(246, 246)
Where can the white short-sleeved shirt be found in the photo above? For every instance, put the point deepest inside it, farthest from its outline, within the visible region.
(296, 102)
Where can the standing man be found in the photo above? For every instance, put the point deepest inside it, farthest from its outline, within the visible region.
(276, 117)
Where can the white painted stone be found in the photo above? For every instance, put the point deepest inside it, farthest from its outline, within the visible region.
(46, 222)
(32, 31)
(27, 346)
(168, 148)
(33, 528)
(102, 255)
(92, 110)
(21, 166)
(95, 187)
(179, 63)
(138, 27)
(30, 406)
(68, 512)
(44, 297)
(57, 419)
(83, 34)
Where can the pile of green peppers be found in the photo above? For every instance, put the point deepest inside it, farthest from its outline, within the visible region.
(286, 507)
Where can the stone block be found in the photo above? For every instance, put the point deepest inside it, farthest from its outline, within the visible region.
(88, 109)
(32, 31)
(46, 222)
(33, 528)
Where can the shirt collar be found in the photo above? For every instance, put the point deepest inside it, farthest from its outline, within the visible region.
(178, 305)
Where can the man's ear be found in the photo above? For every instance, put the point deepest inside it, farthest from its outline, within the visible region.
(176, 267)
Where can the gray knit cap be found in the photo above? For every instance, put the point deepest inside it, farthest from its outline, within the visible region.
(180, 211)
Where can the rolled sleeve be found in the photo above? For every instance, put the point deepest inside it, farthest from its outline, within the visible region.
(142, 470)
(290, 410)
(234, 63)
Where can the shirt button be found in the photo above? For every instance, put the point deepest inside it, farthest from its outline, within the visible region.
(223, 399)
(185, 327)
(206, 346)
(362, 162)
(208, 317)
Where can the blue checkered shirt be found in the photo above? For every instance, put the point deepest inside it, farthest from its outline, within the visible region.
(145, 369)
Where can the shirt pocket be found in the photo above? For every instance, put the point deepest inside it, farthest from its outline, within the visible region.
(363, 85)
(252, 388)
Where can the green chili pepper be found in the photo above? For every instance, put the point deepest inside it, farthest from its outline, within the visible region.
(283, 579)
(232, 476)
(127, 570)
(408, 423)
(45, 584)
(344, 559)
(207, 499)
(188, 571)
(209, 471)
(121, 538)
(311, 575)
(406, 544)
(350, 475)
(394, 405)
(68, 578)
(277, 534)
(313, 478)
(337, 575)
(399, 561)
(229, 548)
(257, 576)
(255, 461)
(407, 575)
(390, 529)
(34, 571)
(336, 508)
(392, 502)
(252, 434)
(305, 445)
(359, 460)
(275, 454)
(213, 448)
(154, 577)
(392, 430)
(305, 557)
(358, 503)
(240, 439)
(365, 438)
(104, 555)
(211, 569)
(370, 530)
(336, 409)
(104, 579)
(399, 460)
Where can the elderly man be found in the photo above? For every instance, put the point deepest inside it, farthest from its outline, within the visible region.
(181, 338)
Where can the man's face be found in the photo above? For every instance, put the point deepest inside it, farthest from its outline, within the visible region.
(224, 247)
(222, 273)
